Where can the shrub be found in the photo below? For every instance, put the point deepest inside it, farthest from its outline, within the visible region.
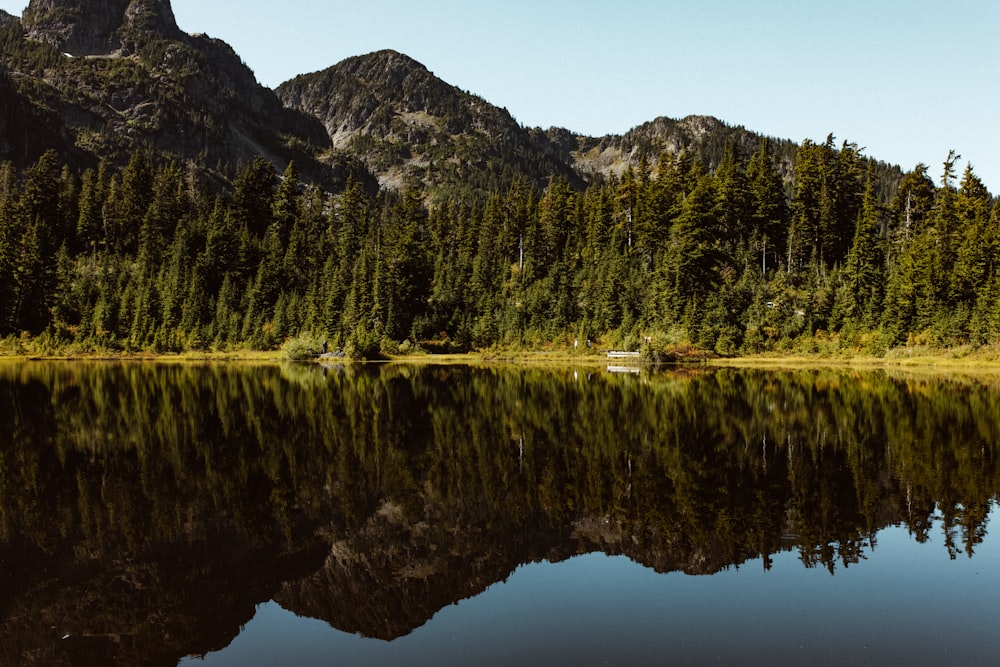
(364, 345)
(304, 347)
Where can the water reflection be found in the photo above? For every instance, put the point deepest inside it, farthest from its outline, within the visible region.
(145, 510)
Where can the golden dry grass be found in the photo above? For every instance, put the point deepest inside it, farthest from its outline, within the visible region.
(982, 360)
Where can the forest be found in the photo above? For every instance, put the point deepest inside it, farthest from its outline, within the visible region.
(669, 257)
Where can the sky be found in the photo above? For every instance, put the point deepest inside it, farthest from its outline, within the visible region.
(905, 80)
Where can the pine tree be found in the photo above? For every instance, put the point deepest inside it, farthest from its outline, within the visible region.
(134, 196)
(976, 253)
(267, 286)
(988, 305)
(9, 238)
(849, 185)
(177, 323)
(805, 224)
(689, 267)
(912, 204)
(734, 198)
(487, 274)
(253, 194)
(167, 206)
(285, 208)
(348, 228)
(945, 232)
(8, 184)
(769, 208)
(35, 231)
(976, 256)
(90, 230)
(860, 298)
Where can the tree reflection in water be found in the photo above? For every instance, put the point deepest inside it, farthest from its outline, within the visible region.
(146, 509)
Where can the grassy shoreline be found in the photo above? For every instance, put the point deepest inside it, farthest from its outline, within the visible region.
(983, 359)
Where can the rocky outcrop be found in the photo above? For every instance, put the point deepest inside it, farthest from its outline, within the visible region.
(119, 75)
(98, 27)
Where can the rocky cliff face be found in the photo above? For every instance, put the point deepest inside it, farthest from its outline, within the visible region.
(111, 76)
(98, 27)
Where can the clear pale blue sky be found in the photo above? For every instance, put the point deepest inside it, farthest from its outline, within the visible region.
(907, 80)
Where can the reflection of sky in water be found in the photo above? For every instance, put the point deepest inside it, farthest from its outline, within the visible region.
(907, 603)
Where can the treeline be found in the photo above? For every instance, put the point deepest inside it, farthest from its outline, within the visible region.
(149, 258)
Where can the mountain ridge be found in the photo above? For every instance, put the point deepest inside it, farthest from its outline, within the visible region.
(97, 79)
(398, 117)
(137, 82)
(406, 122)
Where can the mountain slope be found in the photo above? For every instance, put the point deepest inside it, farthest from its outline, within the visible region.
(411, 127)
(97, 79)
(704, 137)
(99, 27)
(112, 76)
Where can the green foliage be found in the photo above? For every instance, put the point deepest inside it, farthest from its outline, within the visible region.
(301, 348)
(31, 55)
(141, 259)
(364, 345)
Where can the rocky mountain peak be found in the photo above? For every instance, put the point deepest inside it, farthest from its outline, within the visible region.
(375, 104)
(155, 16)
(386, 67)
(97, 27)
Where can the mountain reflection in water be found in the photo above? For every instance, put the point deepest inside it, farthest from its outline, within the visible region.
(146, 510)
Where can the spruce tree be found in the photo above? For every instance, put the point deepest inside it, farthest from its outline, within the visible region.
(976, 254)
(860, 298)
(253, 194)
(769, 208)
(689, 268)
(35, 231)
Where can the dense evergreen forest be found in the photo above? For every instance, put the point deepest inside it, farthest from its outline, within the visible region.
(152, 257)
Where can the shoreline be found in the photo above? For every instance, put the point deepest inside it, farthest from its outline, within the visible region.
(940, 360)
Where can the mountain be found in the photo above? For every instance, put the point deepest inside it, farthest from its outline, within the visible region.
(99, 27)
(410, 127)
(701, 136)
(97, 79)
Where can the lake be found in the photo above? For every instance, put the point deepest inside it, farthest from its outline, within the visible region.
(242, 514)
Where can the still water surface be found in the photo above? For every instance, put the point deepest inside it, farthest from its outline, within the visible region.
(301, 515)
